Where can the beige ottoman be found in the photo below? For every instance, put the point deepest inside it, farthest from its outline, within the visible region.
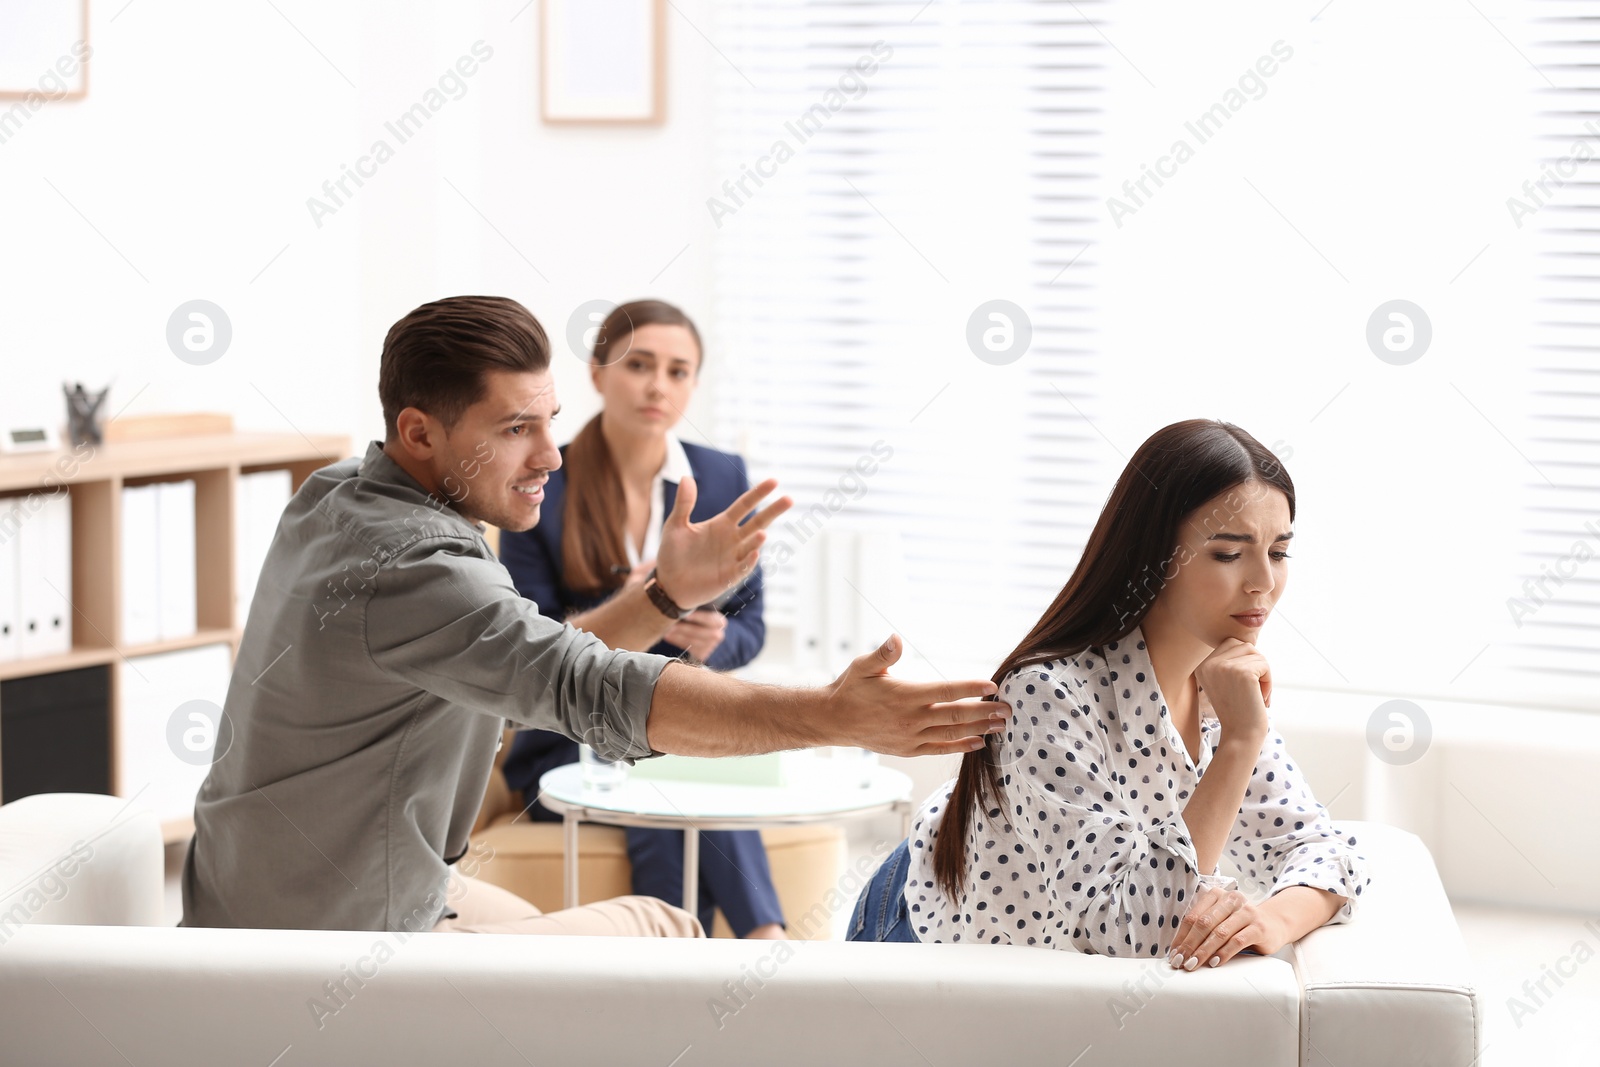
(525, 857)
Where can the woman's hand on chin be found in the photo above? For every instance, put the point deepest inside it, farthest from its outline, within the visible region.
(1219, 925)
(1237, 679)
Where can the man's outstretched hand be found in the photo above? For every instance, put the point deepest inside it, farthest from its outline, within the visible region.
(872, 710)
(699, 561)
(696, 712)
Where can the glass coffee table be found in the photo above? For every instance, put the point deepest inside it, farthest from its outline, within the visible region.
(815, 793)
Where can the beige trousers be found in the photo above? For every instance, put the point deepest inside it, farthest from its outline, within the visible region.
(488, 909)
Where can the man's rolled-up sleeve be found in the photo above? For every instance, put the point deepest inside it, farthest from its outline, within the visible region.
(452, 623)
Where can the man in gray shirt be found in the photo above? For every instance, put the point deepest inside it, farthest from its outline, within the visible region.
(387, 649)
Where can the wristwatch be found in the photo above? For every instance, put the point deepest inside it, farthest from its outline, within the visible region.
(664, 604)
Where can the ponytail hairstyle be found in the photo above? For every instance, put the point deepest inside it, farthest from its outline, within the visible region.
(594, 559)
(1130, 555)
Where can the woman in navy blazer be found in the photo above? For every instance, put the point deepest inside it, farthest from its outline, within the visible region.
(593, 538)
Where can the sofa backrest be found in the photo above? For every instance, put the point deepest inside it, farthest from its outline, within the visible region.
(207, 996)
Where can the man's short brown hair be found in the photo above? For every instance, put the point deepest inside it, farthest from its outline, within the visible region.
(434, 359)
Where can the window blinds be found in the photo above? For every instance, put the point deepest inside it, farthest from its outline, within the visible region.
(1557, 609)
(885, 171)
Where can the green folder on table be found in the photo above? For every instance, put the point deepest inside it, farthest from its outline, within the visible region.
(771, 768)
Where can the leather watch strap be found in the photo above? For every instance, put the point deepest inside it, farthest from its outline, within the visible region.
(663, 603)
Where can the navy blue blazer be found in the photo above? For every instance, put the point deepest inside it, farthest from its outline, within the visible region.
(534, 556)
(534, 559)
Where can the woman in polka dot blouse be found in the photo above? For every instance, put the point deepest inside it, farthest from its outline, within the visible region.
(1139, 759)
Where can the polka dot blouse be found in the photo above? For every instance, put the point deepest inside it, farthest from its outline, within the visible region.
(1088, 850)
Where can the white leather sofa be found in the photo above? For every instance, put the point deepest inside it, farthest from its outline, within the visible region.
(1390, 987)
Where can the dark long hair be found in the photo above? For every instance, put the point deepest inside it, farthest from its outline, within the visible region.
(593, 556)
(1130, 556)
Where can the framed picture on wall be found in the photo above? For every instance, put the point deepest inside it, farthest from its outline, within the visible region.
(44, 49)
(603, 61)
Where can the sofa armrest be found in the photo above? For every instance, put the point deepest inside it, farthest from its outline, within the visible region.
(1392, 985)
(80, 859)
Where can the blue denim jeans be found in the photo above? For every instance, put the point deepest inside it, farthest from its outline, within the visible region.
(881, 913)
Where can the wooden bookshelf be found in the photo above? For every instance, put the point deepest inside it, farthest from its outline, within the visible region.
(95, 478)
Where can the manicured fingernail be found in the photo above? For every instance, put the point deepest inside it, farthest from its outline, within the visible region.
(1191, 963)
(1214, 961)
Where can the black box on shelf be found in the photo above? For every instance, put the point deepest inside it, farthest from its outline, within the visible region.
(55, 732)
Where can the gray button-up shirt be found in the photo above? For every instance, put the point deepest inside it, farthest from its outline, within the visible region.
(385, 650)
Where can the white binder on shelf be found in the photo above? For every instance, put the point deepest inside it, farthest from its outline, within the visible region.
(879, 556)
(849, 586)
(263, 496)
(154, 688)
(57, 637)
(810, 618)
(10, 593)
(141, 578)
(840, 602)
(175, 538)
(44, 575)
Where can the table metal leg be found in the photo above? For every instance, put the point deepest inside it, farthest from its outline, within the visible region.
(691, 871)
(569, 859)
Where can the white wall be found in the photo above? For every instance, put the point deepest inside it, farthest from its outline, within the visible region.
(186, 171)
(1240, 288)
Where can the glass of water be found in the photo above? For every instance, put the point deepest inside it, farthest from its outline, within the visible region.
(854, 766)
(599, 772)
